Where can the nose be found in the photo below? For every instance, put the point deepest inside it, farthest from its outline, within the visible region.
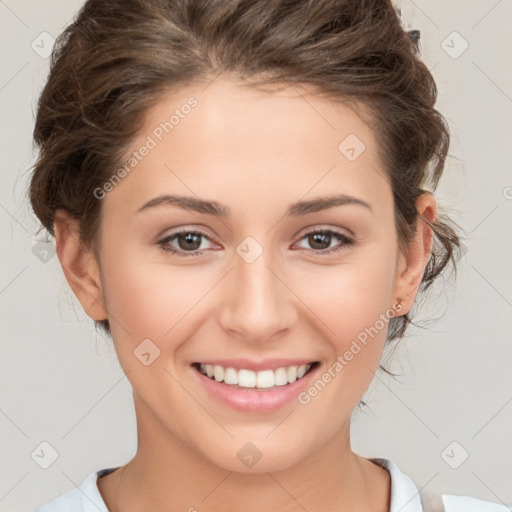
(256, 302)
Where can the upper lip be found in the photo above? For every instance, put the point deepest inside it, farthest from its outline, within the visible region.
(249, 364)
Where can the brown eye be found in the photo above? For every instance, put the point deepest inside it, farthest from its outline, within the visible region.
(320, 240)
(188, 242)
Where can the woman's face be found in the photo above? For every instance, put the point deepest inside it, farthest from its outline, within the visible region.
(263, 292)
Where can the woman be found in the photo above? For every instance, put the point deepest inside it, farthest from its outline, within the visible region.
(242, 197)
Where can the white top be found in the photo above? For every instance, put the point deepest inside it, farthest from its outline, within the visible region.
(405, 496)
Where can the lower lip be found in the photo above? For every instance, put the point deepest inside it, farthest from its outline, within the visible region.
(252, 400)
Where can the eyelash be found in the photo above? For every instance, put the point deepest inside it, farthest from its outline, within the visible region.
(347, 242)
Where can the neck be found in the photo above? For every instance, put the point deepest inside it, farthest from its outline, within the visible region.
(166, 471)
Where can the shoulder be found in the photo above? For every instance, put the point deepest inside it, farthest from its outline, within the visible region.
(405, 496)
(84, 498)
(457, 503)
(454, 503)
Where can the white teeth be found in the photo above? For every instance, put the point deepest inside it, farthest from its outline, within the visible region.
(250, 379)
(265, 379)
(280, 378)
(218, 373)
(301, 371)
(230, 376)
(291, 374)
(246, 378)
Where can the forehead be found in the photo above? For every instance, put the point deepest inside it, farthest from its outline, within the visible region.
(210, 139)
(229, 111)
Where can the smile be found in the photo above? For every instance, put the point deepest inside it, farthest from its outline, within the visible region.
(254, 386)
(264, 379)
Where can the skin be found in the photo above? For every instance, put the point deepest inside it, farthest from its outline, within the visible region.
(255, 152)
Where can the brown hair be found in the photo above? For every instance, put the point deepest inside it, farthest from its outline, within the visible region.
(118, 58)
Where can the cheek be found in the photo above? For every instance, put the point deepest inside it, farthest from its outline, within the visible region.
(143, 302)
(352, 310)
(149, 299)
(350, 297)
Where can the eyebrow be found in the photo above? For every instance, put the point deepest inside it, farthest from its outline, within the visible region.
(218, 210)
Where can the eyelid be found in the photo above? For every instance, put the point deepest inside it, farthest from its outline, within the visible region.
(323, 227)
(197, 231)
(346, 240)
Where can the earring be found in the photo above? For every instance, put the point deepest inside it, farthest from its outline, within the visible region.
(399, 306)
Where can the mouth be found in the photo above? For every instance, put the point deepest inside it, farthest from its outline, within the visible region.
(263, 380)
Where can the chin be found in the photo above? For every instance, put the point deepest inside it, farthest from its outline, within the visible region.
(260, 456)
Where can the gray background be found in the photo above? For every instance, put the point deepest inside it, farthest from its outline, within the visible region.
(60, 380)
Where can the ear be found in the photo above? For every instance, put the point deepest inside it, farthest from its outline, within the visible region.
(79, 266)
(411, 265)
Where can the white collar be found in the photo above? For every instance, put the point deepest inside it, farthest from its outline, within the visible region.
(405, 496)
